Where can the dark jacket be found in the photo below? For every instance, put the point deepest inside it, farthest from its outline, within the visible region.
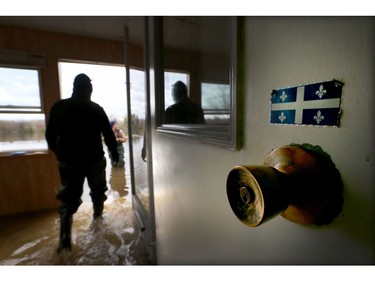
(75, 129)
(184, 112)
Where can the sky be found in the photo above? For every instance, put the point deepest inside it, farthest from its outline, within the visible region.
(18, 87)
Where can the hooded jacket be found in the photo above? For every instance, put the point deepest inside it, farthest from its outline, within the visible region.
(75, 129)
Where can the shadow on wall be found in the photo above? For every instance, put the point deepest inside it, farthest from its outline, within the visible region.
(357, 221)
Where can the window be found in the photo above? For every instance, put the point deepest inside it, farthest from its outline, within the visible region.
(216, 103)
(209, 49)
(22, 120)
(169, 79)
(19, 90)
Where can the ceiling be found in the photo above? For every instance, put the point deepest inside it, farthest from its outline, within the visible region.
(184, 32)
(108, 27)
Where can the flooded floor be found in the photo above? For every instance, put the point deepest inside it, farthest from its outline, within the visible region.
(32, 239)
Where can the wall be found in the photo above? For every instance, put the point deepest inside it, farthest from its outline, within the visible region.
(195, 224)
(28, 183)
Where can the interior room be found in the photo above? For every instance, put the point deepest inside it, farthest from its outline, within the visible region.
(254, 183)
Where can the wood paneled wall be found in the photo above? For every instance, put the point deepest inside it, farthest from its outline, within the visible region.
(29, 182)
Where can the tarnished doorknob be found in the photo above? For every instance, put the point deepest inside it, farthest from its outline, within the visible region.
(299, 182)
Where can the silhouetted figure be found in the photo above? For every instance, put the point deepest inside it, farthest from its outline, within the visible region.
(183, 111)
(120, 138)
(74, 133)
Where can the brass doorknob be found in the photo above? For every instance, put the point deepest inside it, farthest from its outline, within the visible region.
(299, 182)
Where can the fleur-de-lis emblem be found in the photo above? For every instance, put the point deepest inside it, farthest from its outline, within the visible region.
(283, 96)
(282, 117)
(321, 92)
(318, 117)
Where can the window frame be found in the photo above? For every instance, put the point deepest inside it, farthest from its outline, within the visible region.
(228, 136)
(24, 61)
(25, 109)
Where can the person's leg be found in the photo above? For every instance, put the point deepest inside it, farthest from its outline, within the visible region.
(70, 193)
(97, 181)
(121, 156)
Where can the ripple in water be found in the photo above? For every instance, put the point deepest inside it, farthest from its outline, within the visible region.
(32, 239)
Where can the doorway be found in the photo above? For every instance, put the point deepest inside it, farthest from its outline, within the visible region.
(117, 240)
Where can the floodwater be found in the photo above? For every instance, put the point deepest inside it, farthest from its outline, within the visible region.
(32, 239)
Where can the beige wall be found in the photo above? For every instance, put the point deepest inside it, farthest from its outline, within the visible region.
(195, 224)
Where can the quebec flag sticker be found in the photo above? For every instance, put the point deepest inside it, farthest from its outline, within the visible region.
(316, 104)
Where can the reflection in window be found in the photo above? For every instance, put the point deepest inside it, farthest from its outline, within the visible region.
(22, 121)
(169, 79)
(216, 103)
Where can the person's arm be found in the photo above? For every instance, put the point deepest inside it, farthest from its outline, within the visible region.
(109, 137)
(121, 137)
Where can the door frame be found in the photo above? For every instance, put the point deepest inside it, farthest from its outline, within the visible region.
(145, 219)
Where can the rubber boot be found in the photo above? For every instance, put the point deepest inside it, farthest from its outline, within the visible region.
(98, 210)
(65, 233)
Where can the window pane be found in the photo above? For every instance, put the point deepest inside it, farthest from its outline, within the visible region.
(169, 79)
(19, 88)
(216, 103)
(22, 132)
(19, 92)
(215, 96)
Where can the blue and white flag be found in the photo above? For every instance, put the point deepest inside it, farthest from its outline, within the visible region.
(315, 104)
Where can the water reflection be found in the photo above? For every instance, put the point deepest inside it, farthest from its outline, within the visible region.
(140, 173)
(32, 239)
(117, 182)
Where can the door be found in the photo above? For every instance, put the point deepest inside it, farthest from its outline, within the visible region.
(140, 148)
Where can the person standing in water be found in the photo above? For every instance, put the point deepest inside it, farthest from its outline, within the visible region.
(120, 138)
(74, 134)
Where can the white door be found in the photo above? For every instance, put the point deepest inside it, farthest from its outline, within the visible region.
(139, 127)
